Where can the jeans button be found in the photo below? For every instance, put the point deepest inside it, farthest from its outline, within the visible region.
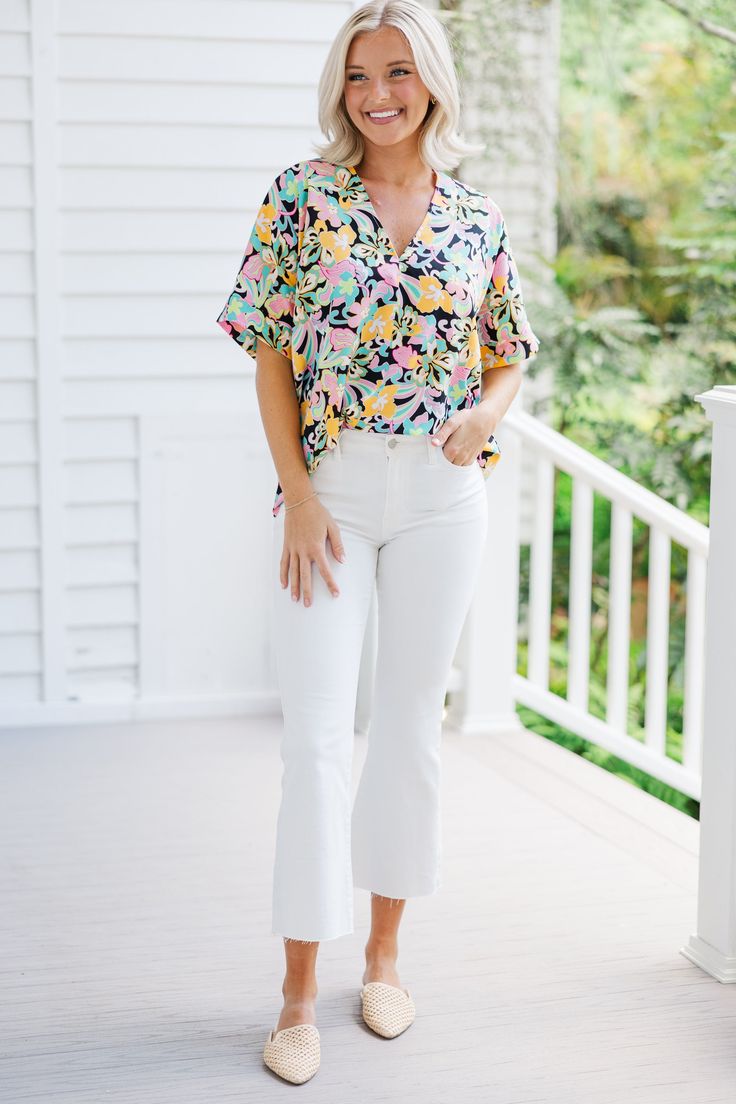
(392, 443)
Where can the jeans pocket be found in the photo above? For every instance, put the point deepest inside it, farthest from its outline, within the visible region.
(450, 464)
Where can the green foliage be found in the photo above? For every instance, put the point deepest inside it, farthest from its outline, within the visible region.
(640, 316)
(642, 313)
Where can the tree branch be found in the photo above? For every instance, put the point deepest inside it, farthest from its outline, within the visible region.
(704, 24)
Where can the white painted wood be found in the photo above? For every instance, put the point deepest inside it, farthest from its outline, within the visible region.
(666, 523)
(92, 565)
(694, 661)
(246, 21)
(18, 363)
(16, 275)
(581, 561)
(139, 956)
(19, 398)
(18, 485)
(150, 364)
(17, 316)
(20, 529)
(126, 195)
(15, 142)
(14, 15)
(46, 329)
(619, 618)
(17, 443)
(610, 482)
(173, 104)
(179, 146)
(21, 655)
(540, 577)
(16, 230)
(19, 570)
(713, 945)
(15, 101)
(611, 739)
(136, 276)
(220, 60)
(230, 192)
(15, 59)
(658, 634)
(21, 609)
(203, 630)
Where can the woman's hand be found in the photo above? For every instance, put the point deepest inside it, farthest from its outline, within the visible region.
(467, 431)
(305, 531)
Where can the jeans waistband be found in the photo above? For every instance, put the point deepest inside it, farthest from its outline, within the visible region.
(350, 439)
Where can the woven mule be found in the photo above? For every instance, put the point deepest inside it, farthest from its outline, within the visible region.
(293, 1052)
(387, 1009)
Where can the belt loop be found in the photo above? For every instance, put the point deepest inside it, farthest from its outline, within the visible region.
(338, 446)
(431, 449)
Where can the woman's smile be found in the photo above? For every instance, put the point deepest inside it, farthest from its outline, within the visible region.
(387, 115)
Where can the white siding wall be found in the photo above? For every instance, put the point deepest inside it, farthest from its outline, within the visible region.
(136, 484)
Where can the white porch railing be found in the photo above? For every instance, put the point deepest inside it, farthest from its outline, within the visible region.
(495, 615)
(488, 685)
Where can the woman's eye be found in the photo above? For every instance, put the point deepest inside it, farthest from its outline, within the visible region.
(355, 76)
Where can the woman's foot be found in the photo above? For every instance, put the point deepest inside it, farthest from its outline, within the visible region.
(300, 1006)
(380, 965)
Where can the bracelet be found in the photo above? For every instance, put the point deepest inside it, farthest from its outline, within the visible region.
(313, 495)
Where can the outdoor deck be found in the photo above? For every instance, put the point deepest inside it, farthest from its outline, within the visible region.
(139, 965)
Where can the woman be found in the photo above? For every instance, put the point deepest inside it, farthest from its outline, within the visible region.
(380, 299)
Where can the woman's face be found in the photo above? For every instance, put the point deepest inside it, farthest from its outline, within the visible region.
(380, 76)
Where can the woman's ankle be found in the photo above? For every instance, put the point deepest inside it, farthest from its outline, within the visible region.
(298, 990)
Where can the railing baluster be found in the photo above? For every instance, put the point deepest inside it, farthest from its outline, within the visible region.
(540, 572)
(553, 453)
(619, 618)
(581, 566)
(658, 633)
(692, 722)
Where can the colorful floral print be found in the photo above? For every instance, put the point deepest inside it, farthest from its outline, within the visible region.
(378, 341)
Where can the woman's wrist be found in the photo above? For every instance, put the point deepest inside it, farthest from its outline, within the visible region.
(299, 502)
(488, 414)
(297, 488)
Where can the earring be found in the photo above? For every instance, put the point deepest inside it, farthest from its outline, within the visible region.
(433, 100)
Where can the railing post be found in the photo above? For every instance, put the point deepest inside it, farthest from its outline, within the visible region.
(486, 654)
(713, 946)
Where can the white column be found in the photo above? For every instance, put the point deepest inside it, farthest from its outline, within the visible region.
(713, 945)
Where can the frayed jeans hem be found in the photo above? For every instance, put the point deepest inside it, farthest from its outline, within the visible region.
(314, 939)
(421, 892)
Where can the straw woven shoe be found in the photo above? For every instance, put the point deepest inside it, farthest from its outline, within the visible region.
(387, 1009)
(294, 1052)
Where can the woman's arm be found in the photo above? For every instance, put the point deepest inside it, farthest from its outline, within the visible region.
(311, 525)
(279, 406)
(468, 430)
(498, 390)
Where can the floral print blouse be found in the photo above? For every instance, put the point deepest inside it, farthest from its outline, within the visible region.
(383, 342)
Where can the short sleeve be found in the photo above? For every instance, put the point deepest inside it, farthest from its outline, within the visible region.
(262, 302)
(506, 335)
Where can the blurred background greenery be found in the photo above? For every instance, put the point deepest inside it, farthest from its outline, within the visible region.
(643, 313)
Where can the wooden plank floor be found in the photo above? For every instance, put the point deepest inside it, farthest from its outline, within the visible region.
(138, 964)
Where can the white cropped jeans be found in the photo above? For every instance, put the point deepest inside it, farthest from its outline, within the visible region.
(414, 526)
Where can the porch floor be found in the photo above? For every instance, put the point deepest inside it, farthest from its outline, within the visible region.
(139, 966)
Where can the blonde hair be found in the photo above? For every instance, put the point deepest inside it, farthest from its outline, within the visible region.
(440, 145)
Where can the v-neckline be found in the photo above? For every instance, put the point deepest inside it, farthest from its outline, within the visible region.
(422, 226)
